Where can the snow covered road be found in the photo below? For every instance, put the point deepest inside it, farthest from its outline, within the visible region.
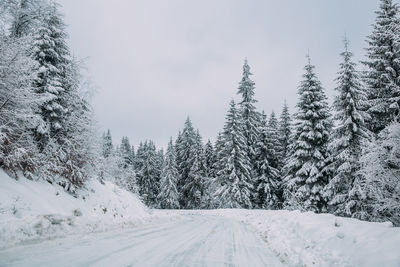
(195, 240)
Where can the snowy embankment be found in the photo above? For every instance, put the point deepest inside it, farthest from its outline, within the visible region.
(35, 210)
(309, 239)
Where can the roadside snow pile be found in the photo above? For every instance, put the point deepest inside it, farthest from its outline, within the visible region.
(309, 239)
(31, 210)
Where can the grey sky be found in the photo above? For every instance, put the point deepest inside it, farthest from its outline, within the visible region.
(156, 62)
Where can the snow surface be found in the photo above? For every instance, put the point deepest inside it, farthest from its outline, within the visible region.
(309, 239)
(105, 225)
(195, 240)
(32, 210)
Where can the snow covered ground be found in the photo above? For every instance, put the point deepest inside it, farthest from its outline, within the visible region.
(37, 210)
(104, 225)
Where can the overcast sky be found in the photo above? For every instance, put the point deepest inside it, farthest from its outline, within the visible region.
(157, 62)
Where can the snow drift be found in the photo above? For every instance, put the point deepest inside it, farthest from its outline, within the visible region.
(31, 210)
(309, 239)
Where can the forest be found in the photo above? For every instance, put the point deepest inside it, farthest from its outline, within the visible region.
(341, 158)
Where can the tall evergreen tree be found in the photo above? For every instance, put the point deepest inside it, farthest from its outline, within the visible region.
(184, 149)
(194, 188)
(383, 62)
(168, 198)
(347, 139)
(268, 180)
(305, 179)
(107, 145)
(148, 173)
(250, 116)
(234, 177)
(52, 54)
(126, 152)
(285, 132)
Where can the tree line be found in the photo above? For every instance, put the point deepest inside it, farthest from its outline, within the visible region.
(342, 159)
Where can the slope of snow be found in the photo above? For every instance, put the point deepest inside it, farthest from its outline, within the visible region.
(309, 239)
(32, 210)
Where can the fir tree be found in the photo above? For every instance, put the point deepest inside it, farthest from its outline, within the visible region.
(210, 159)
(148, 173)
(194, 187)
(305, 179)
(52, 54)
(168, 197)
(250, 116)
(383, 62)
(107, 146)
(184, 149)
(268, 180)
(126, 152)
(234, 177)
(348, 136)
(285, 132)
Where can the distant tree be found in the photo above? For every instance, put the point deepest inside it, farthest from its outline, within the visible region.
(107, 145)
(285, 133)
(168, 198)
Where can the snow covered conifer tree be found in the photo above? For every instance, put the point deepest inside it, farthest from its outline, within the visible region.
(268, 180)
(305, 179)
(184, 144)
(347, 139)
(285, 132)
(383, 62)
(148, 173)
(210, 158)
(251, 117)
(233, 180)
(194, 187)
(168, 198)
(107, 145)
(52, 54)
(126, 152)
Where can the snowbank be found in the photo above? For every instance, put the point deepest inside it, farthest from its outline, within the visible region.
(309, 239)
(32, 210)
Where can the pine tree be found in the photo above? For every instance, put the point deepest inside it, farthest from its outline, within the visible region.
(348, 137)
(305, 179)
(107, 145)
(210, 159)
(184, 149)
(52, 54)
(148, 173)
(285, 133)
(268, 180)
(168, 197)
(249, 113)
(234, 177)
(126, 152)
(383, 75)
(194, 188)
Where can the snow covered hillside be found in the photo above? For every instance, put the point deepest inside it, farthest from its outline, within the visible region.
(32, 210)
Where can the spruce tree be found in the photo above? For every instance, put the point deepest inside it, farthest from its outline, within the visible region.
(285, 132)
(383, 62)
(250, 116)
(305, 179)
(168, 198)
(52, 54)
(126, 152)
(107, 145)
(268, 180)
(194, 188)
(347, 139)
(184, 149)
(148, 173)
(233, 180)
